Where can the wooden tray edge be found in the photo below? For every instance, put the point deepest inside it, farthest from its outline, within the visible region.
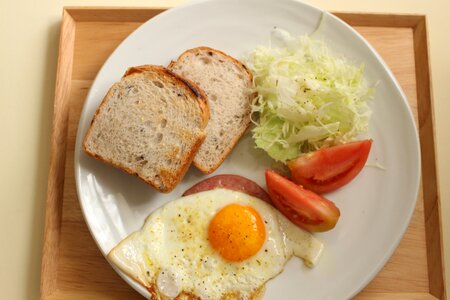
(115, 14)
(56, 176)
(436, 272)
(71, 15)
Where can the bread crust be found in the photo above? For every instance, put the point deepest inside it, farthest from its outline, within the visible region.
(169, 182)
(194, 88)
(205, 48)
(241, 130)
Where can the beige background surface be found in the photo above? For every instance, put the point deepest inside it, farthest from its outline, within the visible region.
(29, 32)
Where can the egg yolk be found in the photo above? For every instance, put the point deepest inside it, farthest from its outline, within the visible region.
(237, 232)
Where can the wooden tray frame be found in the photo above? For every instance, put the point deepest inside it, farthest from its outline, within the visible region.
(74, 15)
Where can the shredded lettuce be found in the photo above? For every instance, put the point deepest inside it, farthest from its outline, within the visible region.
(307, 97)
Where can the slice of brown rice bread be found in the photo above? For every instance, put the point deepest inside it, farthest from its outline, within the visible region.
(150, 124)
(227, 84)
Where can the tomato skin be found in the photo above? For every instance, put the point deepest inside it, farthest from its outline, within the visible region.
(329, 169)
(302, 207)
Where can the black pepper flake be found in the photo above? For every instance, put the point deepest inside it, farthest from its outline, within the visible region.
(182, 249)
(265, 221)
(265, 250)
(179, 215)
(148, 273)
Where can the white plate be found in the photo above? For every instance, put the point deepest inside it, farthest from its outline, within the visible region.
(376, 207)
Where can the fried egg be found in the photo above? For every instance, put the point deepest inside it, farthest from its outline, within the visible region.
(217, 244)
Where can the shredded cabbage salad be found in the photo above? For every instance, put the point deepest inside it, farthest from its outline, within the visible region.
(307, 97)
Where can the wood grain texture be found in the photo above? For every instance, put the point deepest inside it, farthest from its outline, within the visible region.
(104, 36)
(377, 20)
(116, 14)
(56, 176)
(77, 270)
(399, 296)
(429, 175)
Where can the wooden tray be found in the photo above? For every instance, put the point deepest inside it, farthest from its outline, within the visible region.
(74, 268)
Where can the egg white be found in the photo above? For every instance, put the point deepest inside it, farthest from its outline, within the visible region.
(171, 253)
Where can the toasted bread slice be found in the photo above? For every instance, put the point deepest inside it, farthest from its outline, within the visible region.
(227, 84)
(150, 124)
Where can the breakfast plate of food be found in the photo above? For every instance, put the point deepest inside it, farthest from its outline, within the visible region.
(246, 150)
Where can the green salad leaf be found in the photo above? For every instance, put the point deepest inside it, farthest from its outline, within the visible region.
(307, 97)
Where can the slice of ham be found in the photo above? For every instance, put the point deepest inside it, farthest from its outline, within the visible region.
(232, 182)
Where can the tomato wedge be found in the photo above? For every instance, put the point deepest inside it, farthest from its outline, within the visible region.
(304, 208)
(328, 169)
